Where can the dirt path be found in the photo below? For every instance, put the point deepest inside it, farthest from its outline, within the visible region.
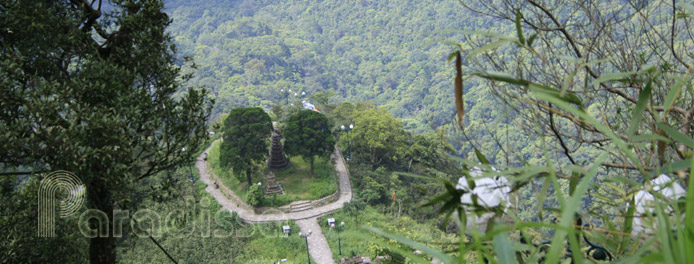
(318, 246)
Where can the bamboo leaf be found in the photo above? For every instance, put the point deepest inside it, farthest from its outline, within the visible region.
(616, 76)
(674, 92)
(502, 77)
(567, 96)
(490, 46)
(481, 157)
(538, 88)
(676, 135)
(406, 241)
(689, 217)
(438, 199)
(570, 208)
(532, 39)
(459, 104)
(670, 167)
(650, 137)
(503, 249)
(519, 29)
(637, 114)
(628, 222)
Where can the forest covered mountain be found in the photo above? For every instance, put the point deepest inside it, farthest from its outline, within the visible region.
(388, 52)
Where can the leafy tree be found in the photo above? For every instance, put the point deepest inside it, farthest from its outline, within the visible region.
(377, 134)
(18, 216)
(278, 111)
(246, 133)
(254, 196)
(354, 208)
(308, 134)
(90, 91)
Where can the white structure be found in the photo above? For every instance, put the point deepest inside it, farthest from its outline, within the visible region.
(309, 106)
(285, 229)
(645, 202)
(491, 192)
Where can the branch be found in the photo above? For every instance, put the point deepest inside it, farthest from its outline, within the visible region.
(93, 14)
(672, 36)
(624, 166)
(561, 140)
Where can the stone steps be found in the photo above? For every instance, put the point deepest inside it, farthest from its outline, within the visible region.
(299, 206)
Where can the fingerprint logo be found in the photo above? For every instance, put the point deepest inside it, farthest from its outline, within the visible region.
(65, 187)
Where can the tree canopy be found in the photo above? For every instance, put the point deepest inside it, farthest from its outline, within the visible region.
(245, 140)
(90, 90)
(308, 135)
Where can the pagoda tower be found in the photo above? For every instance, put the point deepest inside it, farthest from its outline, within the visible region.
(277, 160)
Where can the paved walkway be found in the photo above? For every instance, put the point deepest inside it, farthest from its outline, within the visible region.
(317, 244)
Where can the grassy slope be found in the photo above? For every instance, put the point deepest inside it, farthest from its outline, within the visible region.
(425, 233)
(295, 180)
(300, 186)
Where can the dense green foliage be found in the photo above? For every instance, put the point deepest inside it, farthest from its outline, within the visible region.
(254, 195)
(388, 52)
(308, 135)
(353, 243)
(245, 140)
(19, 222)
(92, 92)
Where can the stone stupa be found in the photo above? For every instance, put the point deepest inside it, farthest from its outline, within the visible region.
(277, 160)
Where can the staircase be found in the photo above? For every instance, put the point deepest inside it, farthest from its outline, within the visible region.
(271, 186)
(299, 206)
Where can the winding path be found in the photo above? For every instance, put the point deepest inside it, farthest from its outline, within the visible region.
(307, 220)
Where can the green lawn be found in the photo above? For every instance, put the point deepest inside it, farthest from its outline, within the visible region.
(296, 180)
(298, 183)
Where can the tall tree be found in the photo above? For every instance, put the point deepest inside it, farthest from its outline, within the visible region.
(378, 134)
(89, 90)
(246, 134)
(308, 134)
(354, 208)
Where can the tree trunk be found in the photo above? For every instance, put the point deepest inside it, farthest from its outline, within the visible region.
(248, 177)
(399, 208)
(102, 249)
(312, 170)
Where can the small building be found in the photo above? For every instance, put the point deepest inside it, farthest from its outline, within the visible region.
(645, 201)
(285, 229)
(490, 192)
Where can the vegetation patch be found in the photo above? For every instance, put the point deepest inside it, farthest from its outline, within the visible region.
(353, 245)
(299, 185)
(296, 180)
